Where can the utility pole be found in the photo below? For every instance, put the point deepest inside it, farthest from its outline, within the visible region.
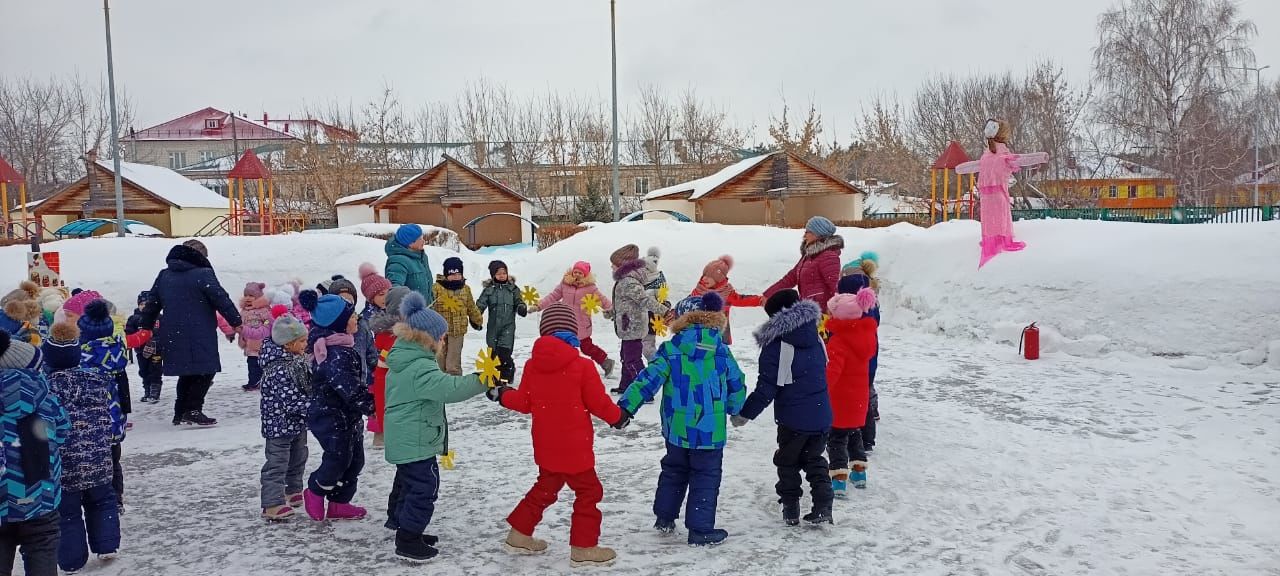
(115, 124)
(1257, 131)
(613, 37)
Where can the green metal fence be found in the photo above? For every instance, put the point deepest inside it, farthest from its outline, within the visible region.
(1179, 215)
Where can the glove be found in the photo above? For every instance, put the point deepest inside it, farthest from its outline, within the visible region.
(608, 314)
(623, 421)
(738, 421)
(495, 394)
(475, 326)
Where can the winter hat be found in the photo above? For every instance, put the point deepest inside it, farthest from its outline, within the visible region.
(329, 311)
(718, 270)
(423, 319)
(254, 289)
(709, 302)
(76, 303)
(407, 234)
(495, 266)
(781, 301)
(624, 254)
(51, 299)
(395, 296)
(144, 295)
(21, 304)
(323, 286)
(371, 282)
(281, 296)
(16, 354)
(287, 329)
(852, 306)
(821, 226)
(198, 246)
(652, 255)
(341, 285)
(62, 348)
(558, 317)
(278, 310)
(852, 283)
(96, 322)
(582, 267)
(27, 290)
(452, 265)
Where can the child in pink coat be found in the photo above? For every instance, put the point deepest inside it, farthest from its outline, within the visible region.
(994, 169)
(255, 312)
(576, 284)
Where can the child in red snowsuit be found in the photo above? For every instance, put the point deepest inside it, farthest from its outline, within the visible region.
(849, 351)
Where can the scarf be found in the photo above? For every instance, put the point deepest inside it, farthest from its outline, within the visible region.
(724, 289)
(320, 350)
(452, 285)
(568, 337)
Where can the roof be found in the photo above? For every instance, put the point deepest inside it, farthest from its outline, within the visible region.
(700, 187)
(249, 167)
(7, 174)
(954, 155)
(445, 161)
(1099, 166)
(1267, 174)
(372, 195)
(167, 185)
(308, 129)
(194, 126)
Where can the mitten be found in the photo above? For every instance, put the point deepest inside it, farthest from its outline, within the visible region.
(738, 421)
(495, 393)
(623, 420)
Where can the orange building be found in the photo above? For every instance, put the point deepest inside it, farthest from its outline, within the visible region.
(1107, 181)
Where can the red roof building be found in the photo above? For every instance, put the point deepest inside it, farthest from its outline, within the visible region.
(208, 134)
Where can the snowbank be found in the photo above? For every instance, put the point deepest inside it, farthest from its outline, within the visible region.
(446, 238)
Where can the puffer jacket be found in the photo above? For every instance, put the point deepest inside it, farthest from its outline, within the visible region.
(503, 302)
(408, 268)
(700, 381)
(340, 399)
(417, 389)
(457, 305)
(364, 340)
(571, 291)
(255, 313)
(189, 292)
(33, 428)
(286, 391)
(817, 273)
(793, 371)
(731, 298)
(86, 455)
(632, 304)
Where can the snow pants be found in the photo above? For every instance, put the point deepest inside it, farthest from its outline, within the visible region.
(191, 392)
(595, 353)
(340, 465)
(843, 446)
(36, 539)
(507, 369)
(419, 486)
(698, 473)
(90, 513)
(151, 371)
(282, 473)
(802, 452)
(584, 532)
(255, 371)
(632, 362)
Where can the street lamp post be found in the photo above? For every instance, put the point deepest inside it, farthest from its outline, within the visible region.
(1257, 120)
(613, 38)
(115, 124)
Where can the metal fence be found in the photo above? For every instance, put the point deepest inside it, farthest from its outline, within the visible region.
(1178, 215)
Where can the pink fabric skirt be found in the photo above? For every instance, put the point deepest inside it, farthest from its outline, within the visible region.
(997, 224)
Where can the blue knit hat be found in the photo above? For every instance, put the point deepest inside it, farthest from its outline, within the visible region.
(423, 319)
(709, 302)
(96, 322)
(852, 283)
(330, 311)
(62, 348)
(821, 226)
(407, 234)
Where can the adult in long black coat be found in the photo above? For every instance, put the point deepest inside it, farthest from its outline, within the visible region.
(188, 292)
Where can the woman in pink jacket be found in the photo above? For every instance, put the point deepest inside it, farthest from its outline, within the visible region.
(817, 273)
(576, 284)
(994, 169)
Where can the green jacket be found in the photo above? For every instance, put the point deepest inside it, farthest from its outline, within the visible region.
(503, 303)
(417, 390)
(408, 268)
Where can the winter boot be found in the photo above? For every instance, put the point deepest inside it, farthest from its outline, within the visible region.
(859, 475)
(712, 538)
(840, 483)
(278, 513)
(314, 504)
(294, 500)
(198, 418)
(608, 366)
(819, 515)
(345, 511)
(378, 442)
(413, 547)
(251, 388)
(665, 526)
(518, 543)
(108, 556)
(594, 556)
(791, 512)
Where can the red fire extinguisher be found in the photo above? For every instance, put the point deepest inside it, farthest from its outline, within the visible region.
(1030, 344)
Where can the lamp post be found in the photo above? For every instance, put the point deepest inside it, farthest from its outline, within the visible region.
(1257, 119)
(115, 124)
(613, 39)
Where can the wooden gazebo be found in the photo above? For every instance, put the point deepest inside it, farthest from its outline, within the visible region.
(450, 195)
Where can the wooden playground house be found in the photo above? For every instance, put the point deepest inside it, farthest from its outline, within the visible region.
(951, 208)
(251, 201)
(20, 229)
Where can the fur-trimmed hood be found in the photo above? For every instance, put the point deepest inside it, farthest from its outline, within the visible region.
(182, 258)
(588, 280)
(833, 242)
(716, 320)
(787, 325)
(634, 268)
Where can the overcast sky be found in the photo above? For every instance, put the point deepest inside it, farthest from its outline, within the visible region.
(177, 56)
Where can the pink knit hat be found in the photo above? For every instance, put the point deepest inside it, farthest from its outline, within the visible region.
(583, 267)
(76, 304)
(254, 289)
(718, 270)
(851, 306)
(372, 283)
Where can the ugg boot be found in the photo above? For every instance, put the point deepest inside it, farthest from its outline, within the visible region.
(518, 543)
(859, 476)
(278, 513)
(594, 556)
(314, 504)
(345, 511)
(840, 483)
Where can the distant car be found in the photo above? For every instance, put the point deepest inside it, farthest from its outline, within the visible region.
(90, 227)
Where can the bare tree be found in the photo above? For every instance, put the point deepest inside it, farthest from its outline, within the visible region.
(650, 129)
(883, 148)
(385, 130)
(705, 135)
(803, 140)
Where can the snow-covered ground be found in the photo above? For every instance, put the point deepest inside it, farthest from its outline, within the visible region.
(1144, 442)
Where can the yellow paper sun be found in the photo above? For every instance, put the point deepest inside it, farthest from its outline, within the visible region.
(446, 460)
(450, 304)
(530, 295)
(659, 326)
(822, 326)
(591, 304)
(487, 366)
(663, 292)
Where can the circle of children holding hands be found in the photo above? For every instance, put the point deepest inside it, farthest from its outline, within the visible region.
(323, 367)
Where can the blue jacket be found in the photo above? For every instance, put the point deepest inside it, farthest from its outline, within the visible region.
(86, 455)
(286, 391)
(700, 383)
(191, 297)
(340, 399)
(793, 371)
(33, 428)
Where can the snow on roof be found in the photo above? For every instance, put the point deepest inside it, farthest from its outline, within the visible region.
(168, 185)
(372, 194)
(1105, 166)
(1267, 174)
(700, 187)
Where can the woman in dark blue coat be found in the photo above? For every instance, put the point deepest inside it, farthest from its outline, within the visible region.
(188, 292)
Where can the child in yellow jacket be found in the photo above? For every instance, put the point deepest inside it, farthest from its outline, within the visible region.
(454, 301)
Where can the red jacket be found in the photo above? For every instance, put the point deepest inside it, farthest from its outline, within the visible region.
(817, 273)
(731, 298)
(849, 352)
(562, 390)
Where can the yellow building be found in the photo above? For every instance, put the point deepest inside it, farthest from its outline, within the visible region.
(1105, 181)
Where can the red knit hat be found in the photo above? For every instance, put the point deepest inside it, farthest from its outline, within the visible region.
(372, 283)
(718, 270)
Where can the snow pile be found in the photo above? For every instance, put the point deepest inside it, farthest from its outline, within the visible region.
(436, 236)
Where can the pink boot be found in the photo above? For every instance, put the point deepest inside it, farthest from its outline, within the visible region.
(341, 511)
(991, 247)
(1011, 245)
(314, 504)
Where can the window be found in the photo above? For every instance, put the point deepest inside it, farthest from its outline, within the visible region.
(567, 188)
(1094, 192)
(1133, 191)
(212, 124)
(1111, 192)
(177, 160)
(1160, 191)
(669, 181)
(642, 185)
(1069, 191)
(207, 155)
